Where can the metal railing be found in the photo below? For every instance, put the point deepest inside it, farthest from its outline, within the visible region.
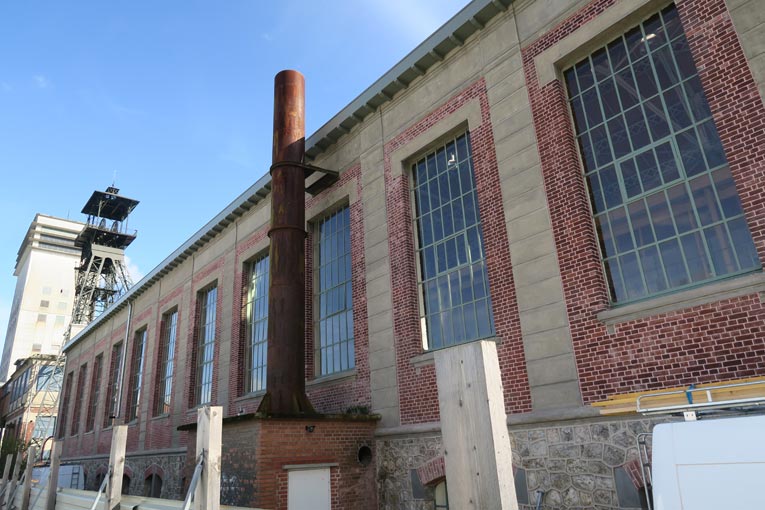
(645, 465)
(703, 398)
(194, 481)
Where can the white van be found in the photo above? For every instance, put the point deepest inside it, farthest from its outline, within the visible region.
(709, 464)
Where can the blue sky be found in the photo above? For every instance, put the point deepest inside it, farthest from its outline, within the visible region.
(172, 101)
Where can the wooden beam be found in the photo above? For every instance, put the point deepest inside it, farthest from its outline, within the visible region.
(14, 480)
(209, 439)
(55, 462)
(116, 467)
(7, 470)
(477, 451)
(27, 487)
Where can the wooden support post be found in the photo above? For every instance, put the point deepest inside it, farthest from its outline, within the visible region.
(55, 462)
(14, 480)
(479, 470)
(209, 439)
(27, 487)
(116, 467)
(7, 470)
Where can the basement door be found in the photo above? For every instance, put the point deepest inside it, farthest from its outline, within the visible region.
(308, 489)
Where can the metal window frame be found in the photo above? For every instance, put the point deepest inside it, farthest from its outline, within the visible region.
(90, 418)
(80, 397)
(256, 350)
(112, 400)
(411, 164)
(207, 299)
(136, 372)
(683, 178)
(168, 337)
(322, 346)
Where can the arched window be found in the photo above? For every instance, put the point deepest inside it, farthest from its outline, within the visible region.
(125, 484)
(152, 486)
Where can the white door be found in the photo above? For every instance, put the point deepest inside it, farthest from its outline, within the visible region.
(308, 489)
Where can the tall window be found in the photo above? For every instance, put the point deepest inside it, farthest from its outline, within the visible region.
(65, 403)
(256, 331)
(165, 366)
(205, 354)
(112, 391)
(335, 349)
(95, 388)
(666, 209)
(452, 270)
(79, 399)
(136, 374)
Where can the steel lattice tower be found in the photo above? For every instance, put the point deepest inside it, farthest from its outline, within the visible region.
(101, 278)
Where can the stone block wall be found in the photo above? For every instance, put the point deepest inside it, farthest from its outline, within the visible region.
(575, 465)
(257, 455)
(169, 467)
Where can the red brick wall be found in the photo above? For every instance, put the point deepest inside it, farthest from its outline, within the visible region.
(338, 396)
(238, 400)
(208, 277)
(256, 451)
(418, 393)
(700, 344)
(159, 428)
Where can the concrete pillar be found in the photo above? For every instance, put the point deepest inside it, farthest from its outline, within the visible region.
(479, 469)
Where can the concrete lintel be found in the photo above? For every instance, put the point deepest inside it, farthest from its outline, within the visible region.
(705, 294)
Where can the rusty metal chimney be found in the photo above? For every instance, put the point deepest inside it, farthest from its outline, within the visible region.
(285, 380)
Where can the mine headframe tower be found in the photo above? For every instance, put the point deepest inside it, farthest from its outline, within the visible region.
(102, 276)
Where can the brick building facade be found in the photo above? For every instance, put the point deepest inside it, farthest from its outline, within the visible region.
(581, 181)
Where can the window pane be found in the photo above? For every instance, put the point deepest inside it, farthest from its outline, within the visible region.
(256, 314)
(652, 269)
(656, 169)
(334, 331)
(455, 292)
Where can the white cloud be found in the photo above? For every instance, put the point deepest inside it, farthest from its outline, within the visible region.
(41, 81)
(133, 270)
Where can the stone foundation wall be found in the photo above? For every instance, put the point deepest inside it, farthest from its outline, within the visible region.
(587, 464)
(168, 466)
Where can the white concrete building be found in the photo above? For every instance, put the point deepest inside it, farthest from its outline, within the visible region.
(42, 302)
